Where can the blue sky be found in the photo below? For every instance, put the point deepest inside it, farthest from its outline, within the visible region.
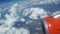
(9, 2)
(51, 7)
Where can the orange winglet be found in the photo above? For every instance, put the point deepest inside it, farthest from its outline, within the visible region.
(53, 25)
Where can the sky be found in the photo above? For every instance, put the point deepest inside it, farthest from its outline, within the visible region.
(4, 3)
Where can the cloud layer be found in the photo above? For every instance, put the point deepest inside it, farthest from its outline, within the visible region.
(16, 14)
(45, 1)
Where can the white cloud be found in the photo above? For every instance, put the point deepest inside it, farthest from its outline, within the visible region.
(2, 21)
(4, 29)
(22, 19)
(13, 16)
(56, 14)
(38, 12)
(14, 7)
(26, 11)
(12, 31)
(9, 21)
(35, 12)
(22, 31)
(45, 1)
(19, 31)
(49, 1)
